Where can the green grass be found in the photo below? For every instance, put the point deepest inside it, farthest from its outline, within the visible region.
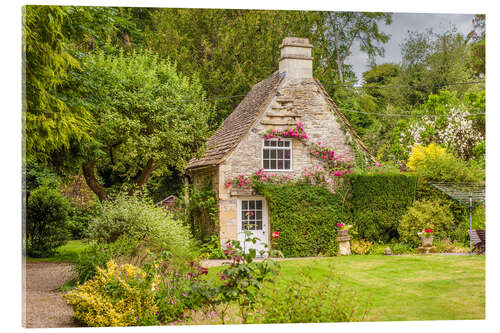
(66, 253)
(427, 287)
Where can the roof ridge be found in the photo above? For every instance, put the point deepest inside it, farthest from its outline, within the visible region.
(230, 133)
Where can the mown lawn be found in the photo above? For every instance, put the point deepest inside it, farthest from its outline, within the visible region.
(413, 287)
(66, 253)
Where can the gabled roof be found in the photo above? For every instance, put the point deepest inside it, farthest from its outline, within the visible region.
(238, 123)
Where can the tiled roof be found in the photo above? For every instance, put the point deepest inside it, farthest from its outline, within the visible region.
(238, 122)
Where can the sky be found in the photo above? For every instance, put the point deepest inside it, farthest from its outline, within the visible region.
(401, 23)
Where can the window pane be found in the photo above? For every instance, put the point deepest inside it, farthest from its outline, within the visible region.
(259, 225)
(266, 143)
(287, 165)
(280, 164)
(280, 143)
(280, 153)
(273, 164)
(273, 153)
(266, 153)
(258, 204)
(244, 204)
(287, 143)
(258, 215)
(273, 143)
(251, 204)
(287, 154)
(266, 164)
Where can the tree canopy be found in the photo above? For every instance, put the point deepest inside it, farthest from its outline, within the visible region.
(147, 118)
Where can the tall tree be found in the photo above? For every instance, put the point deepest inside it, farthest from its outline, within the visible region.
(230, 50)
(49, 122)
(148, 119)
(478, 45)
(432, 62)
(343, 29)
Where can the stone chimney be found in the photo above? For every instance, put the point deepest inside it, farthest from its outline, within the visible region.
(296, 59)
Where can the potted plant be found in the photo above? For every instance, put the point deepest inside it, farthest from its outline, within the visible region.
(343, 229)
(427, 237)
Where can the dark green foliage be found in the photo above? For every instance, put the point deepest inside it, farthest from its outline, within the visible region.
(98, 254)
(305, 217)
(430, 193)
(46, 227)
(202, 212)
(426, 215)
(378, 201)
(211, 248)
(78, 221)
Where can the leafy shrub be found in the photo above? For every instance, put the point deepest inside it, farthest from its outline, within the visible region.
(78, 221)
(433, 163)
(425, 215)
(425, 191)
(176, 290)
(450, 170)
(305, 299)
(448, 246)
(202, 211)
(460, 234)
(378, 201)
(212, 249)
(123, 250)
(117, 296)
(402, 248)
(138, 219)
(46, 227)
(305, 217)
(361, 246)
(420, 155)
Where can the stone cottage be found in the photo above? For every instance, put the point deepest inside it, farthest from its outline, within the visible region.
(289, 96)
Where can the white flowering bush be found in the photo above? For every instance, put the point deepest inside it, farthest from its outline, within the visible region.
(451, 126)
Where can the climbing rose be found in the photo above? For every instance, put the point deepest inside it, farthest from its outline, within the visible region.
(340, 225)
(276, 234)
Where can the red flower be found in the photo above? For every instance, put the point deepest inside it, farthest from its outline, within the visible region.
(428, 231)
(276, 235)
(340, 225)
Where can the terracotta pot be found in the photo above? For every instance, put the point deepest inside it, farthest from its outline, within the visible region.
(427, 241)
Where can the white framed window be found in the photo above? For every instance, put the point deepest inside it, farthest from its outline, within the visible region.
(277, 155)
(252, 215)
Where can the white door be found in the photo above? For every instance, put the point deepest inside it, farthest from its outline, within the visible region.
(252, 216)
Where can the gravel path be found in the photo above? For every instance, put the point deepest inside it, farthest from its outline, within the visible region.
(43, 305)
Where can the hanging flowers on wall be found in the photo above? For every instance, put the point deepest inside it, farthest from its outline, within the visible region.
(295, 132)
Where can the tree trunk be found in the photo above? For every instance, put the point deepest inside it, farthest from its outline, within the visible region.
(339, 63)
(91, 180)
(143, 178)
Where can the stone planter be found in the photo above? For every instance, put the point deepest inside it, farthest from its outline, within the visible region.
(427, 241)
(344, 242)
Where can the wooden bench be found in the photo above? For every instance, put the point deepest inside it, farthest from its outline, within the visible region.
(478, 238)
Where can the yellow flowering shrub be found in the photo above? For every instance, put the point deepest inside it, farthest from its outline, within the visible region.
(361, 246)
(419, 154)
(120, 295)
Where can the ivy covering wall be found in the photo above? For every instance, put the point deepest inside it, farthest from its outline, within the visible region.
(378, 201)
(305, 217)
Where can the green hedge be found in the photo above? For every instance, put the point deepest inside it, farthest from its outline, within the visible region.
(378, 201)
(305, 216)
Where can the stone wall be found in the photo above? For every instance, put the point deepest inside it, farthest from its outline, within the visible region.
(298, 100)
